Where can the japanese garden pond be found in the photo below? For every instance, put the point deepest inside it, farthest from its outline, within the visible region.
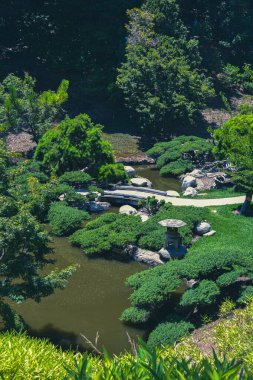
(95, 296)
(158, 182)
(92, 302)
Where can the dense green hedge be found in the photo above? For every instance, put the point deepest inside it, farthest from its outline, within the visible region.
(215, 263)
(111, 231)
(64, 219)
(180, 155)
(168, 333)
(108, 235)
(112, 173)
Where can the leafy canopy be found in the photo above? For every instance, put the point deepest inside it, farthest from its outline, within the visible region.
(74, 144)
(234, 141)
(24, 245)
(160, 77)
(21, 107)
(64, 219)
(181, 154)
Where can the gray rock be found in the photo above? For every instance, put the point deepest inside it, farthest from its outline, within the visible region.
(197, 173)
(61, 197)
(98, 206)
(130, 171)
(189, 181)
(129, 210)
(203, 228)
(210, 233)
(190, 192)
(171, 253)
(144, 217)
(141, 182)
(148, 257)
(172, 193)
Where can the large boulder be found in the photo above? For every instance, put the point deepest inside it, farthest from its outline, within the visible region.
(189, 181)
(197, 173)
(129, 210)
(172, 193)
(98, 206)
(190, 192)
(130, 171)
(141, 182)
(203, 228)
(148, 257)
(170, 252)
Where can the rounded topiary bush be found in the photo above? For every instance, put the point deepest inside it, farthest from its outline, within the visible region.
(168, 333)
(76, 178)
(64, 219)
(135, 315)
(112, 173)
(181, 154)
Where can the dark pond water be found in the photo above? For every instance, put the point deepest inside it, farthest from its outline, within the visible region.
(159, 183)
(93, 301)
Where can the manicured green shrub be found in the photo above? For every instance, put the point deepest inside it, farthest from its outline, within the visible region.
(229, 278)
(136, 315)
(108, 217)
(215, 263)
(177, 168)
(64, 219)
(168, 333)
(190, 215)
(106, 233)
(204, 294)
(181, 154)
(112, 231)
(76, 178)
(112, 173)
(153, 240)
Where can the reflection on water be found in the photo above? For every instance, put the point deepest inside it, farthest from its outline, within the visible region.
(159, 183)
(93, 301)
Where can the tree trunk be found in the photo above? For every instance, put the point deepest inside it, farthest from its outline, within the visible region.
(246, 204)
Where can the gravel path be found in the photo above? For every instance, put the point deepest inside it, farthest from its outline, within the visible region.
(181, 201)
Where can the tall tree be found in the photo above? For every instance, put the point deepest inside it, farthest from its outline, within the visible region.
(21, 107)
(234, 141)
(160, 78)
(24, 252)
(74, 144)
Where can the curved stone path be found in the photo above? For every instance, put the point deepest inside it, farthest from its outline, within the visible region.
(178, 201)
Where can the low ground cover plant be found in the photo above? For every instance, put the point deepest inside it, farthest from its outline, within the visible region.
(112, 231)
(64, 219)
(76, 178)
(180, 155)
(45, 361)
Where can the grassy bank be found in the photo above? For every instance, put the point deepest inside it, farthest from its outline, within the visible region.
(127, 148)
(219, 193)
(27, 358)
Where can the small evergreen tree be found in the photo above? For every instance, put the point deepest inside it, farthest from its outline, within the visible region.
(74, 144)
(234, 141)
(21, 107)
